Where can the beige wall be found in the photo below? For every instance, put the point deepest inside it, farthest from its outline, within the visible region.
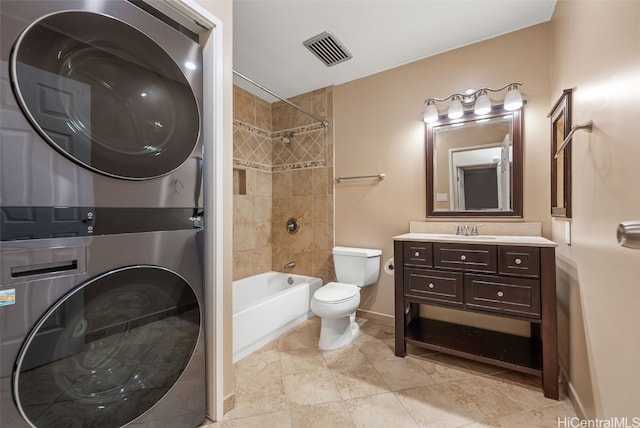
(596, 50)
(379, 128)
(274, 181)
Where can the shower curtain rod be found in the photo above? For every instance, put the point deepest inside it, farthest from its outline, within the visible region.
(323, 122)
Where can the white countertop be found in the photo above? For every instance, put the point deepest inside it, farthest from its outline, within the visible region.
(527, 241)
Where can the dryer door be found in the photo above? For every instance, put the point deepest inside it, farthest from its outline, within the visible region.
(106, 95)
(124, 338)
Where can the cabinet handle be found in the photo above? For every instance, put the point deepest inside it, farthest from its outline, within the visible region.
(417, 254)
(463, 257)
(431, 285)
(518, 261)
(500, 294)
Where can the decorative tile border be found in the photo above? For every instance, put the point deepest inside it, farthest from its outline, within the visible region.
(307, 157)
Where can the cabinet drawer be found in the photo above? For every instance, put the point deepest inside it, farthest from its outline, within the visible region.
(434, 286)
(520, 261)
(513, 296)
(467, 257)
(418, 254)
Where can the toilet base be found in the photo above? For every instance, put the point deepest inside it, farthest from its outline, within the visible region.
(337, 332)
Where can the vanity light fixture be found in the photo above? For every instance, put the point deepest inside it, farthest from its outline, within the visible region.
(477, 99)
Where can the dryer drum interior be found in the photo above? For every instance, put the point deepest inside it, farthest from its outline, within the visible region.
(105, 95)
(107, 351)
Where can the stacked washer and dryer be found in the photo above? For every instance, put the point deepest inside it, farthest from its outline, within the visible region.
(101, 285)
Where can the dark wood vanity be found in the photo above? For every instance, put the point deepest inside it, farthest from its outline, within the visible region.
(511, 277)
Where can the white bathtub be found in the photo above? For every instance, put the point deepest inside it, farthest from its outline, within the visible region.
(266, 305)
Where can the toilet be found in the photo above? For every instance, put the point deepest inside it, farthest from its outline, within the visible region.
(336, 302)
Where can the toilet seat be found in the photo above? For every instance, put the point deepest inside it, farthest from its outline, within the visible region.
(336, 292)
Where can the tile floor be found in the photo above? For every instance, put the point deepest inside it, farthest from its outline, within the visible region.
(291, 383)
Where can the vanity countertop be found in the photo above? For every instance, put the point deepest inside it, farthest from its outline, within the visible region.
(533, 241)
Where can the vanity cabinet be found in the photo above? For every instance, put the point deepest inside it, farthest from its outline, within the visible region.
(508, 278)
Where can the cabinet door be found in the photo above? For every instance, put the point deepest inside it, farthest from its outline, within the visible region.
(432, 286)
(512, 296)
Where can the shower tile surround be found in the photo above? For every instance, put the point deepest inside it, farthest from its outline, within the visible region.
(273, 181)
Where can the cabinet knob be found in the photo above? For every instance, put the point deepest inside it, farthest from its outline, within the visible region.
(500, 294)
(518, 261)
(431, 285)
(463, 257)
(417, 254)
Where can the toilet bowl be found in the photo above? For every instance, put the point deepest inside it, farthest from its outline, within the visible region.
(336, 302)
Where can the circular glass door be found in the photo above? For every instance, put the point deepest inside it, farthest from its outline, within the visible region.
(107, 351)
(105, 95)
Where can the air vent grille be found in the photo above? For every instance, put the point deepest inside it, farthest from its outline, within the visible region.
(328, 49)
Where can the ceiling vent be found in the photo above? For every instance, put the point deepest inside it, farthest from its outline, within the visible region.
(328, 49)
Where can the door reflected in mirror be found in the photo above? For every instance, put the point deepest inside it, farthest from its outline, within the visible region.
(474, 165)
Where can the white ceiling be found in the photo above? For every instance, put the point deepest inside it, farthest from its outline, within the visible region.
(381, 34)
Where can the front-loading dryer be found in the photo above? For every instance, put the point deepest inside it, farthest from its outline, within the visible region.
(103, 331)
(100, 107)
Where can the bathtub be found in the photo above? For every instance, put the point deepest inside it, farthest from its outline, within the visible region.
(266, 305)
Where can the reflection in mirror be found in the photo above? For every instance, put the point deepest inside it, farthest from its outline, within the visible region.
(561, 164)
(475, 165)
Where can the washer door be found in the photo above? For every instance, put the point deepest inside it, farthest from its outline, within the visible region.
(119, 342)
(105, 94)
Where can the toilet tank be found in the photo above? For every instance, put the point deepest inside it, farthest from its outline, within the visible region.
(359, 266)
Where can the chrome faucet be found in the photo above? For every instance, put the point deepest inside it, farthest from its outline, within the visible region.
(290, 265)
(468, 231)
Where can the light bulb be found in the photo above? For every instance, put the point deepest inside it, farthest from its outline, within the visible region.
(483, 105)
(455, 109)
(513, 99)
(430, 113)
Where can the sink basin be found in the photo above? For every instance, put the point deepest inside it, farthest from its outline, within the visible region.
(465, 237)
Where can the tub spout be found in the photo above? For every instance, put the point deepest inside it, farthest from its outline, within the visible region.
(290, 265)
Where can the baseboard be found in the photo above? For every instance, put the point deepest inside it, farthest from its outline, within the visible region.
(376, 316)
(228, 403)
(565, 382)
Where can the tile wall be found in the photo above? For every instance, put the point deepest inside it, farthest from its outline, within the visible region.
(274, 181)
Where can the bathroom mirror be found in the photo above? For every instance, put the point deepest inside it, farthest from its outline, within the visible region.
(474, 165)
(561, 164)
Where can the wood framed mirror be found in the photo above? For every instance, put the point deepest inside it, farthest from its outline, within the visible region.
(474, 165)
(561, 160)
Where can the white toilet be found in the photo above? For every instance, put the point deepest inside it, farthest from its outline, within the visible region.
(336, 302)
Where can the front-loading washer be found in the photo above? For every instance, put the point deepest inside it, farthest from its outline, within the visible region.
(103, 331)
(100, 107)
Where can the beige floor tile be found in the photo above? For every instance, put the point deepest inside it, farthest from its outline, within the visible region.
(359, 381)
(301, 360)
(480, 398)
(258, 396)
(299, 338)
(550, 416)
(402, 374)
(443, 368)
(264, 362)
(291, 383)
(377, 350)
(430, 406)
(348, 356)
(379, 411)
(312, 387)
(280, 419)
(328, 415)
(523, 389)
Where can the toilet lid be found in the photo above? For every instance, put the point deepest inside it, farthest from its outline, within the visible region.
(336, 292)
